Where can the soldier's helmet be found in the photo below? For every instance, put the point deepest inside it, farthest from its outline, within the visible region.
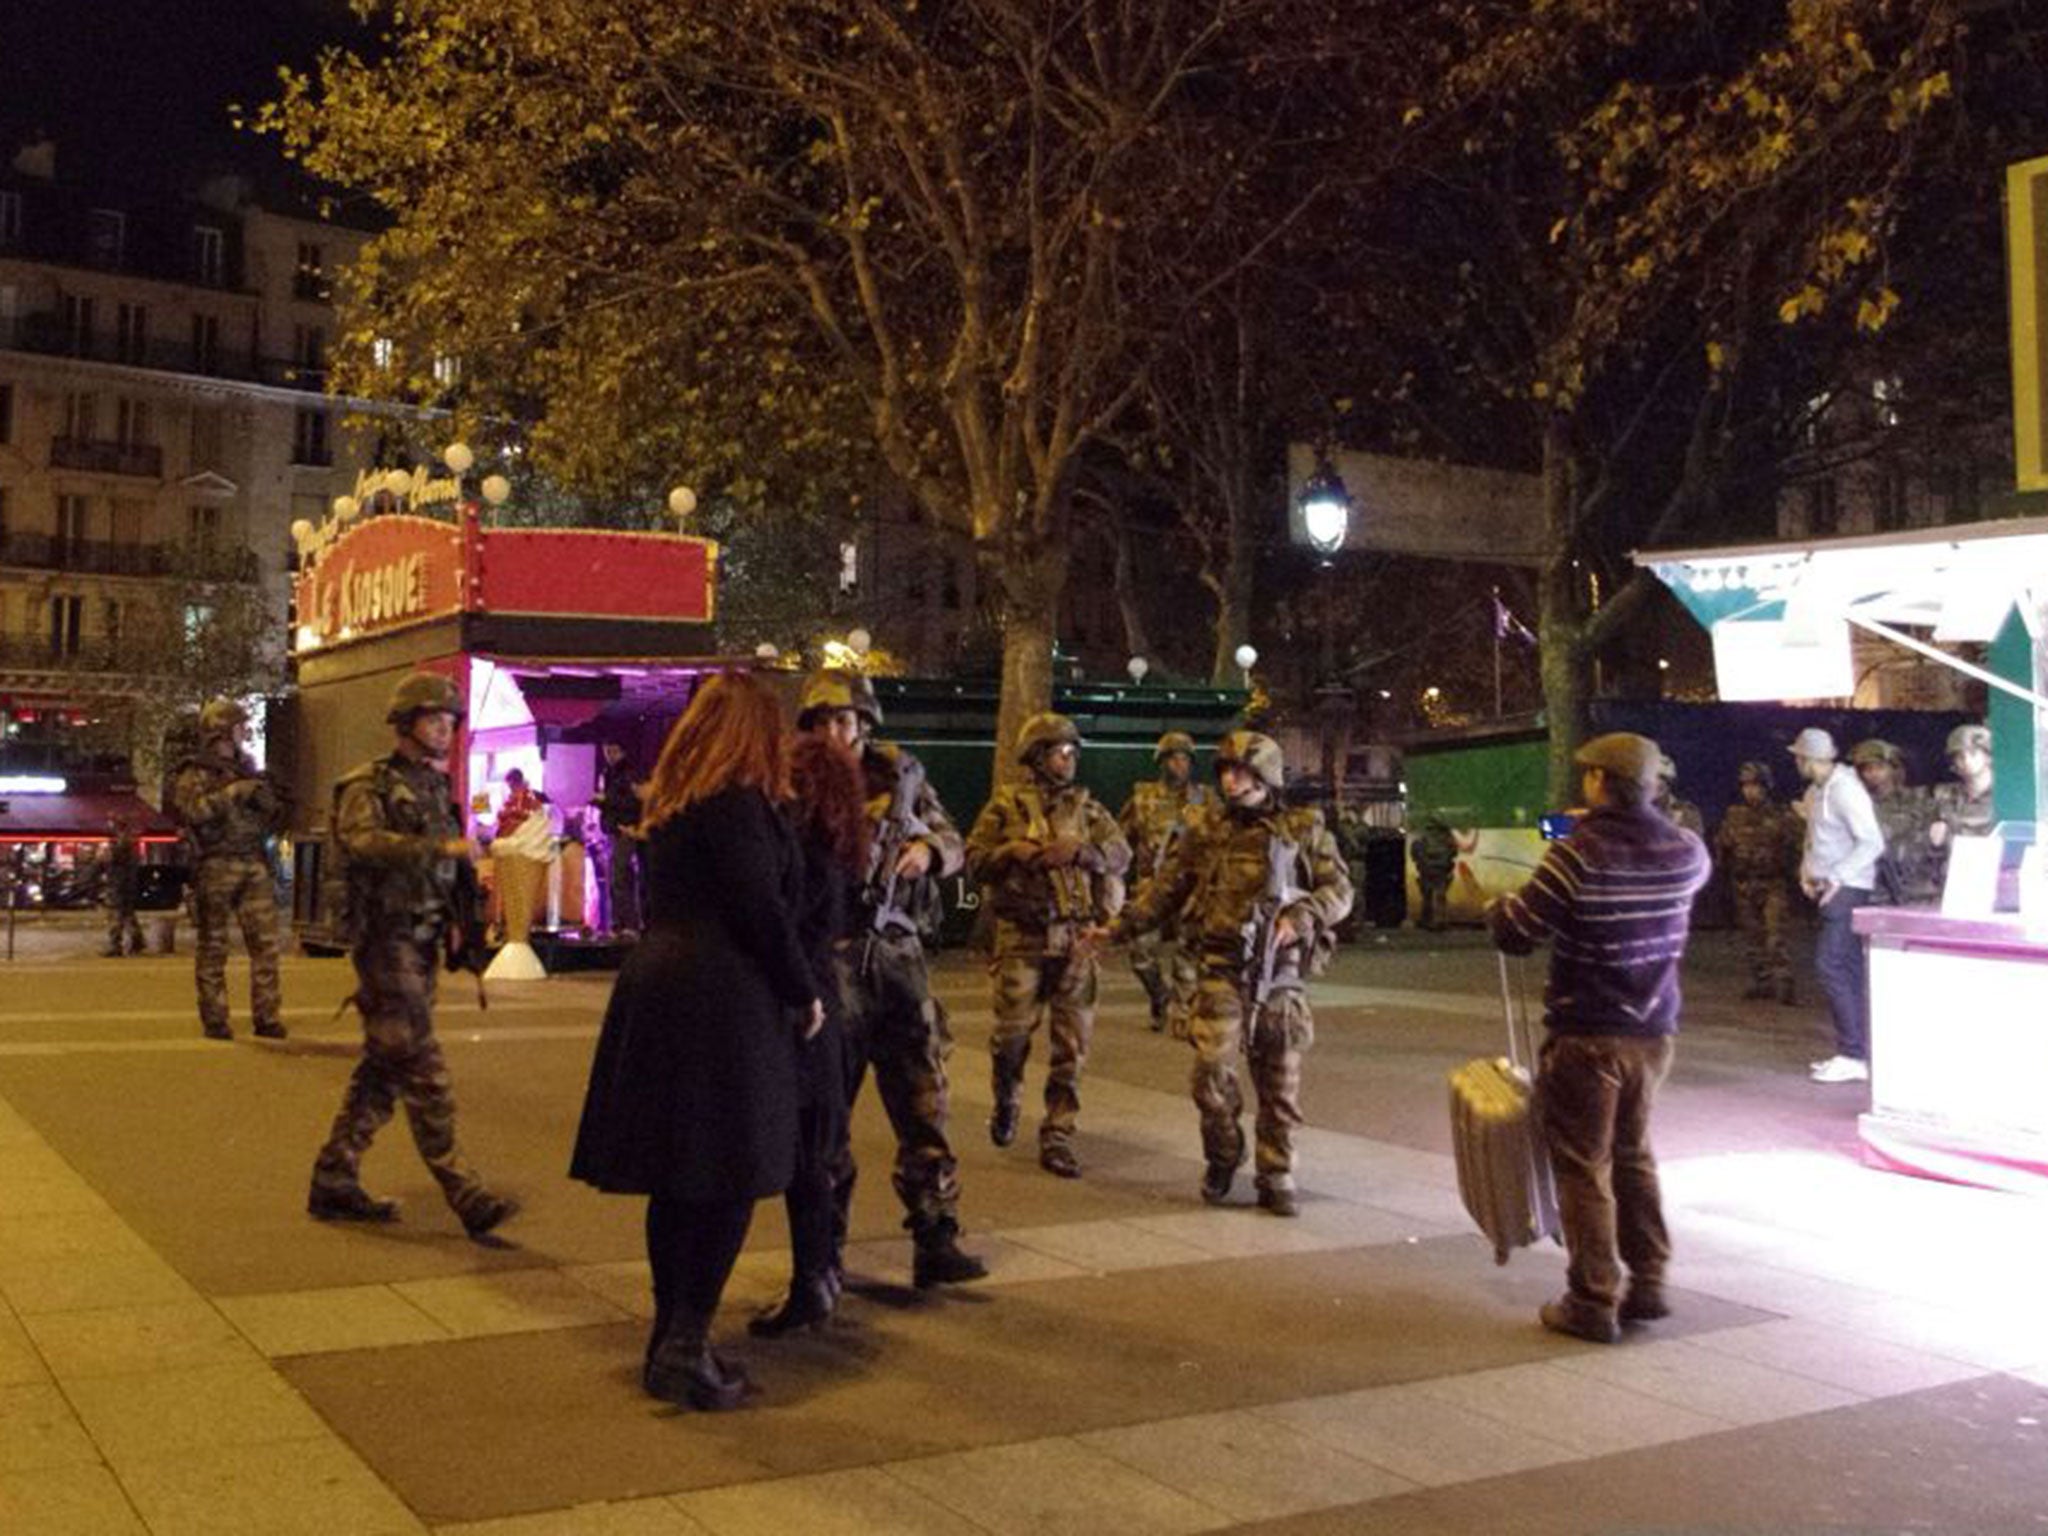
(835, 688)
(1754, 773)
(1260, 755)
(1044, 730)
(1964, 737)
(423, 693)
(222, 717)
(1172, 742)
(1875, 751)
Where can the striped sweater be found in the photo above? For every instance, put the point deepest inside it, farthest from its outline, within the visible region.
(1615, 901)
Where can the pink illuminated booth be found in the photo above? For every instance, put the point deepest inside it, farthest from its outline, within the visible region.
(560, 639)
(1958, 1052)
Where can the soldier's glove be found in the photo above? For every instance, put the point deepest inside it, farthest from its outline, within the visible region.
(1060, 852)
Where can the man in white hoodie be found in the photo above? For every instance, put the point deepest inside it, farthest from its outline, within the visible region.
(1838, 871)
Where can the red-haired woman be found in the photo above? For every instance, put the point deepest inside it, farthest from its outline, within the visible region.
(693, 1092)
(829, 812)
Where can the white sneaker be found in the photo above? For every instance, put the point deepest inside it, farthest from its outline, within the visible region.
(1841, 1069)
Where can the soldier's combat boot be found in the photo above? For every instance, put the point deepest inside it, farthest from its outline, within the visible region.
(810, 1303)
(351, 1203)
(1216, 1182)
(1002, 1125)
(939, 1258)
(270, 1031)
(216, 1031)
(1279, 1202)
(682, 1370)
(483, 1213)
(1057, 1159)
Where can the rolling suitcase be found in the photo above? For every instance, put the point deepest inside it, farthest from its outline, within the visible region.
(1503, 1172)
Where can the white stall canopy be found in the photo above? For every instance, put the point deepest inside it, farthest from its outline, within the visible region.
(1780, 614)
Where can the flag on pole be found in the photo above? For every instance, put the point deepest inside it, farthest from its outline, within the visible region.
(1506, 626)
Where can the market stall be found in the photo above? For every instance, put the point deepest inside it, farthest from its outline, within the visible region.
(1957, 1051)
(560, 640)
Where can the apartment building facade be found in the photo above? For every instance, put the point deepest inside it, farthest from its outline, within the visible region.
(162, 423)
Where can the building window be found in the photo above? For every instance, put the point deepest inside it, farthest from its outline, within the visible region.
(309, 280)
(206, 437)
(106, 238)
(131, 333)
(81, 416)
(197, 617)
(309, 439)
(202, 527)
(380, 351)
(309, 352)
(209, 256)
(6, 413)
(206, 344)
(65, 613)
(447, 370)
(1823, 506)
(3, 514)
(131, 422)
(10, 218)
(74, 522)
(124, 522)
(110, 621)
(1894, 499)
(77, 311)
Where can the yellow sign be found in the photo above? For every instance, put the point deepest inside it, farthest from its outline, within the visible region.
(2026, 264)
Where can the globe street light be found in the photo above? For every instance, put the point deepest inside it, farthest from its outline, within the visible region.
(1325, 509)
(682, 501)
(497, 490)
(458, 458)
(1137, 666)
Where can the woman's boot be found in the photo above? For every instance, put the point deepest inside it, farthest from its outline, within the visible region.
(681, 1368)
(809, 1304)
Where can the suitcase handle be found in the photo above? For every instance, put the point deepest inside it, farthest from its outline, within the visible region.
(1514, 1004)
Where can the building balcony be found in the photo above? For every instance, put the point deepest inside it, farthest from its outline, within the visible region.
(96, 653)
(144, 460)
(91, 557)
(47, 335)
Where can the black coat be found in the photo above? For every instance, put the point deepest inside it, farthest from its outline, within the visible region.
(694, 1089)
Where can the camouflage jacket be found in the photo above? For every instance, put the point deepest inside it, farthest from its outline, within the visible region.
(391, 818)
(1435, 853)
(1907, 875)
(1035, 909)
(1966, 816)
(1218, 874)
(228, 808)
(1150, 817)
(1759, 842)
(903, 808)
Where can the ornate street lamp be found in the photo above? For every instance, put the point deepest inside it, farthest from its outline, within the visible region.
(1325, 508)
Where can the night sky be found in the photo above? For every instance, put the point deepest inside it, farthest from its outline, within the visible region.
(138, 90)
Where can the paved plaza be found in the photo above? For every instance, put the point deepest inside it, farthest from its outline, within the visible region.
(184, 1353)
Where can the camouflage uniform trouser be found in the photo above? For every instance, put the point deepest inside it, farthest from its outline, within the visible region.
(239, 888)
(1273, 1060)
(124, 929)
(401, 1064)
(1063, 986)
(1168, 974)
(1761, 908)
(895, 1025)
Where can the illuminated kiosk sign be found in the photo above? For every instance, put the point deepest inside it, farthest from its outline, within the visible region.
(383, 574)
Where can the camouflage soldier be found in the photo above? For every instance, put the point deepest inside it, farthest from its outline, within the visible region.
(1905, 875)
(1680, 813)
(1261, 888)
(1151, 820)
(1964, 808)
(1758, 843)
(229, 808)
(396, 831)
(1050, 862)
(1436, 858)
(124, 876)
(893, 1023)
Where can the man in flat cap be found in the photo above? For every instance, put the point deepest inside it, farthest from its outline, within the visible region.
(1615, 897)
(1838, 872)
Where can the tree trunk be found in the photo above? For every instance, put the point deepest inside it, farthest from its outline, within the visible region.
(1136, 639)
(1232, 586)
(1028, 595)
(1566, 662)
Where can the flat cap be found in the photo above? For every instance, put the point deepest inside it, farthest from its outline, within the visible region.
(1622, 754)
(1815, 743)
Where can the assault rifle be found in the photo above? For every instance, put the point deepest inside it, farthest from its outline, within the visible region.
(1262, 932)
(463, 941)
(901, 826)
